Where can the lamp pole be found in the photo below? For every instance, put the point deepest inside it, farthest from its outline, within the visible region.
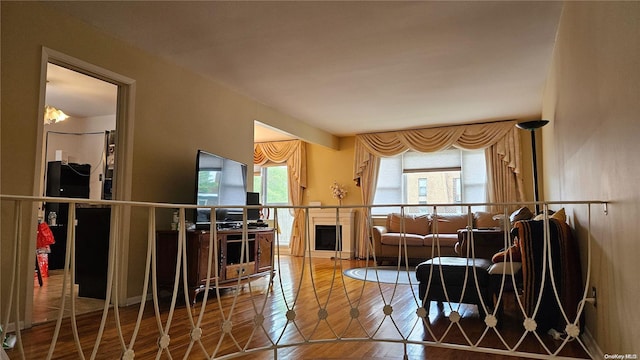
(531, 126)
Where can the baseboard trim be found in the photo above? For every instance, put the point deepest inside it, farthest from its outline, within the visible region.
(11, 327)
(592, 345)
(136, 300)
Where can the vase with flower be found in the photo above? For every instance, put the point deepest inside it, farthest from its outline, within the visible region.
(338, 191)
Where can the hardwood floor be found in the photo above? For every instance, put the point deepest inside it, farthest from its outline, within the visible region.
(46, 298)
(340, 320)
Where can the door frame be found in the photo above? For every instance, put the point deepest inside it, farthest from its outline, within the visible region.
(122, 178)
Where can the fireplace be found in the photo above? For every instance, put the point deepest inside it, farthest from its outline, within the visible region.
(322, 228)
(327, 238)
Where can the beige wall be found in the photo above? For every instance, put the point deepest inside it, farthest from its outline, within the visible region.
(176, 113)
(591, 151)
(327, 165)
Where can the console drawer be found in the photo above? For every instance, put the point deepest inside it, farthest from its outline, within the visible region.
(239, 270)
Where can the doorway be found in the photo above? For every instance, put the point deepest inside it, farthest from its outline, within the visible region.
(272, 184)
(271, 181)
(83, 154)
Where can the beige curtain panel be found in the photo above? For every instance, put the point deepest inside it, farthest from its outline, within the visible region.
(500, 139)
(504, 182)
(293, 153)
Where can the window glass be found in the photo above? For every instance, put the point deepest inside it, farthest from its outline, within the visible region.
(273, 185)
(277, 188)
(389, 188)
(422, 189)
(443, 187)
(446, 177)
(474, 176)
(437, 160)
(257, 181)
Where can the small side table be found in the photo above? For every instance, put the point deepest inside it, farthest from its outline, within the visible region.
(486, 242)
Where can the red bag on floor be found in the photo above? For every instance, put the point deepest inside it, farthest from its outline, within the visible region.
(43, 264)
(45, 236)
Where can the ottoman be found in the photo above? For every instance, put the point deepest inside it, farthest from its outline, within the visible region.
(453, 272)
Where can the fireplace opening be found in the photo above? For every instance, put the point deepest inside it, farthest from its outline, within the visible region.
(326, 238)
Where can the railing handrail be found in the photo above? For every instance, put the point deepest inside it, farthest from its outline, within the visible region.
(353, 206)
(151, 258)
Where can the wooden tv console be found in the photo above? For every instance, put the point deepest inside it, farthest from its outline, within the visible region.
(228, 261)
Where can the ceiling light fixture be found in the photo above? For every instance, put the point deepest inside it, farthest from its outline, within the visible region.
(53, 115)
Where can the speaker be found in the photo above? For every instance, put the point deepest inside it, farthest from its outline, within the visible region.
(253, 198)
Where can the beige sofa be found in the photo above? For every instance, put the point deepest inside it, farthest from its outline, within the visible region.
(423, 235)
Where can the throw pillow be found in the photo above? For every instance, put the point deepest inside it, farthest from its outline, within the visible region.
(450, 223)
(521, 214)
(413, 224)
(485, 220)
(394, 222)
(560, 215)
(541, 215)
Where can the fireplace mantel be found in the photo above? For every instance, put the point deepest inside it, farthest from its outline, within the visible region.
(328, 217)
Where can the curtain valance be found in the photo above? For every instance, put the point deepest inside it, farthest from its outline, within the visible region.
(467, 137)
(294, 153)
(500, 140)
(291, 152)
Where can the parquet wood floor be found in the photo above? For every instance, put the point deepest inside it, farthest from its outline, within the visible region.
(336, 296)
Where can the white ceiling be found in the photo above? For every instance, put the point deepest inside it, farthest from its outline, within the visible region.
(353, 66)
(79, 95)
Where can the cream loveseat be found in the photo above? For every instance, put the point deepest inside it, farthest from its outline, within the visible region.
(421, 232)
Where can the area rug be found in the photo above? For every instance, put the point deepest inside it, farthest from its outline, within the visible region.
(384, 274)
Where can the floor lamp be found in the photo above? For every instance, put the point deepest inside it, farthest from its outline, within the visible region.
(531, 126)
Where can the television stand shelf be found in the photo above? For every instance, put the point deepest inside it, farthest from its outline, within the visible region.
(229, 262)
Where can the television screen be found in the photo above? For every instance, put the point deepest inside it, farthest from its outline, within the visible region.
(220, 182)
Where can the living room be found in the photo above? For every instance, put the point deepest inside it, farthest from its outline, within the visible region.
(587, 151)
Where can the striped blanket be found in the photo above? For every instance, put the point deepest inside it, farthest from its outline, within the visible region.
(563, 264)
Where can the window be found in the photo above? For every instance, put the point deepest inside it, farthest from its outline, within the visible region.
(445, 177)
(273, 185)
(422, 188)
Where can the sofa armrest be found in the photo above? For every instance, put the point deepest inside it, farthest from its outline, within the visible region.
(487, 243)
(378, 231)
(381, 228)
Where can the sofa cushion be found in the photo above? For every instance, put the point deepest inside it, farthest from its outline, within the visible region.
(413, 224)
(396, 238)
(448, 240)
(450, 223)
(485, 220)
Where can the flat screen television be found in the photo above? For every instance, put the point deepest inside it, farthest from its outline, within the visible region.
(220, 182)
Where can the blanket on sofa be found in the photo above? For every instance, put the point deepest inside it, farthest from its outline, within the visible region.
(563, 269)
